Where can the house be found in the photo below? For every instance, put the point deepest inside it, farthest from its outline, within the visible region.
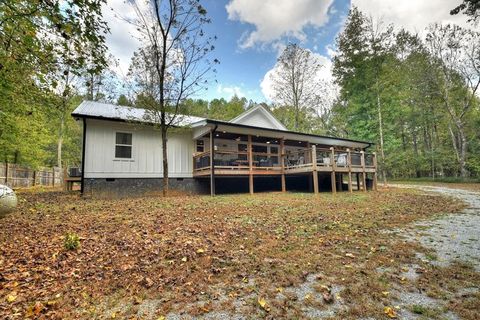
(122, 154)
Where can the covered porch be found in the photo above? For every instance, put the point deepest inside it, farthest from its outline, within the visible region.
(224, 150)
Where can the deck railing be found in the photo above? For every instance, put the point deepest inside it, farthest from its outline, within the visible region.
(293, 160)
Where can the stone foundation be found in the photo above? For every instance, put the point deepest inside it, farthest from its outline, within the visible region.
(128, 187)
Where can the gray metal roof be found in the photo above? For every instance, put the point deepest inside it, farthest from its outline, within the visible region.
(93, 109)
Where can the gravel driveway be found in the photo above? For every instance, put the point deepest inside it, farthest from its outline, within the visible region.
(453, 236)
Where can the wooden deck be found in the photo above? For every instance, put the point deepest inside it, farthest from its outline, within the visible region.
(313, 161)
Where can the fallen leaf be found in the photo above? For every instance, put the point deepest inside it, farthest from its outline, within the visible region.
(200, 250)
(390, 312)
(38, 308)
(385, 293)
(12, 297)
(350, 255)
(184, 259)
(263, 303)
(327, 297)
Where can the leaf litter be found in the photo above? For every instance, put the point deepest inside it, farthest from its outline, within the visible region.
(199, 255)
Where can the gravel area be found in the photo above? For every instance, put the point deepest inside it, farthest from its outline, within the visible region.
(453, 236)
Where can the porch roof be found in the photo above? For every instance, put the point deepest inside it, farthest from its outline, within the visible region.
(204, 126)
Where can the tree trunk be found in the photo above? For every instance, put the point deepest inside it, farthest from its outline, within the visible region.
(165, 183)
(380, 129)
(60, 141)
(463, 150)
(454, 143)
(415, 153)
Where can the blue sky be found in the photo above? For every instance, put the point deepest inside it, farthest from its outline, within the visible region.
(243, 69)
(252, 33)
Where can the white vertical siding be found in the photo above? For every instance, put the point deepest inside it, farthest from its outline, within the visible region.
(146, 159)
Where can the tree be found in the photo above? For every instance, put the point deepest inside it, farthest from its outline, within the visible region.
(172, 65)
(364, 46)
(457, 53)
(470, 8)
(42, 43)
(295, 81)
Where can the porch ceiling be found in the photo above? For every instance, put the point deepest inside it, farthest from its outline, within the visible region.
(234, 131)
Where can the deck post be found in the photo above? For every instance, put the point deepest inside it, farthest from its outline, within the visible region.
(250, 164)
(349, 162)
(358, 181)
(212, 163)
(282, 161)
(375, 173)
(332, 164)
(364, 178)
(314, 169)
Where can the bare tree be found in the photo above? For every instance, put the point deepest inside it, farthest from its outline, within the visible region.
(175, 47)
(296, 81)
(457, 53)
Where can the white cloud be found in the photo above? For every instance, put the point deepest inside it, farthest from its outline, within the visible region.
(123, 39)
(414, 16)
(274, 19)
(229, 91)
(324, 74)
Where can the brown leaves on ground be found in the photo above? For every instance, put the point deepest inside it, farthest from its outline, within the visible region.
(179, 246)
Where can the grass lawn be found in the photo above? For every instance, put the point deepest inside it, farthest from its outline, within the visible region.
(181, 250)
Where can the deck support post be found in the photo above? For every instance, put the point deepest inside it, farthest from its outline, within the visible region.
(358, 181)
(364, 178)
(375, 173)
(332, 163)
(250, 164)
(282, 161)
(314, 169)
(349, 161)
(212, 163)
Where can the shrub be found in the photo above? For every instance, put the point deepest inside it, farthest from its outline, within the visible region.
(71, 241)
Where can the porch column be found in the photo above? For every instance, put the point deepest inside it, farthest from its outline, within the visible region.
(250, 164)
(332, 163)
(375, 173)
(349, 162)
(314, 169)
(282, 161)
(212, 163)
(364, 178)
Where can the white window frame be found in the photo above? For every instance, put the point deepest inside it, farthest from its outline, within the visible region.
(122, 145)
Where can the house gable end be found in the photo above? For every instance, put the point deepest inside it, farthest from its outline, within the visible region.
(258, 116)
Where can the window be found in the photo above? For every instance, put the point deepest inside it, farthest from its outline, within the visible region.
(123, 145)
(200, 146)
